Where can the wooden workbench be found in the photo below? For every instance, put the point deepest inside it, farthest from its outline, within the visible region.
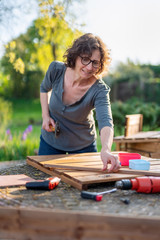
(145, 143)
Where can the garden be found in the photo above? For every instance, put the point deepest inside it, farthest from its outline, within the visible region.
(134, 87)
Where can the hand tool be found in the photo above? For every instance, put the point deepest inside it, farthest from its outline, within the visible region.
(95, 195)
(140, 184)
(48, 184)
(55, 129)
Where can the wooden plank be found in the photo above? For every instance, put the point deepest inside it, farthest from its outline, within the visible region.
(143, 146)
(135, 140)
(81, 174)
(155, 155)
(140, 172)
(103, 178)
(14, 180)
(145, 136)
(26, 223)
(69, 167)
(41, 168)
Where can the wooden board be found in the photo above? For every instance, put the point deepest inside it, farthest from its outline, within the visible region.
(39, 224)
(147, 136)
(14, 180)
(82, 179)
(144, 143)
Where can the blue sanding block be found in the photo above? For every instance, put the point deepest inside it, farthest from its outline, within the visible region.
(139, 164)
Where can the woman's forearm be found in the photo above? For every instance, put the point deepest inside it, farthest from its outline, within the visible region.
(107, 157)
(44, 104)
(47, 120)
(106, 136)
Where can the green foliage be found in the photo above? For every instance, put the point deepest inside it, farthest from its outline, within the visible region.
(16, 149)
(27, 57)
(19, 75)
(130, 72)
(25, 112)
(12, 145)
(4, 85)
(134, 80)
(5, 114)
(154, 68)
(150, 111)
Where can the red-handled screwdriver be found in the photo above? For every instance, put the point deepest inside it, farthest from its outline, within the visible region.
(95, 195)
(48, 184)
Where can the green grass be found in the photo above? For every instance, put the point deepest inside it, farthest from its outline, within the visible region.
(25, 112)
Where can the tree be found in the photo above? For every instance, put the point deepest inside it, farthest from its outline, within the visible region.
(28, 56)
(129, 79)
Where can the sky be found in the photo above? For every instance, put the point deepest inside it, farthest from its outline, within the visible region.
(130, 28)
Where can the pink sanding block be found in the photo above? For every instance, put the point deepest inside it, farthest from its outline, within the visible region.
(125, 157)
(14, 180)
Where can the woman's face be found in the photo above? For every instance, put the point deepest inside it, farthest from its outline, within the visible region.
(86, 66)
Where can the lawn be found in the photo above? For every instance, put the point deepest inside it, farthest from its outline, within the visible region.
(17, 144)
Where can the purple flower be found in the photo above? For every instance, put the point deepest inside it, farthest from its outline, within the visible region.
(24, 136)
(30, 128)
(8, 132)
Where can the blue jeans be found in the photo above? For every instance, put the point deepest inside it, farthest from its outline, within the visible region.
(46, 149)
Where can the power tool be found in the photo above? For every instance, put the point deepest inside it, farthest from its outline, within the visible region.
(48, 184)
(140, 184)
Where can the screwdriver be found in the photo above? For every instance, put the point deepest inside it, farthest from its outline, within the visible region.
(95, 195)
(48, 184)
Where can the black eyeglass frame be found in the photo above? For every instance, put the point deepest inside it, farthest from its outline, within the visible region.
(90, 61)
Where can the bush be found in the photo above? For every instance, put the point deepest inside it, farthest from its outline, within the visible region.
(150, 111)
(5, 114)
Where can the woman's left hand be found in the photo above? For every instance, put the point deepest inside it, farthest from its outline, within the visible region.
(107, 158)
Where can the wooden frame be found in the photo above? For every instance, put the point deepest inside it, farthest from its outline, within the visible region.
(48, 224)
(84, 169)
(133, 124)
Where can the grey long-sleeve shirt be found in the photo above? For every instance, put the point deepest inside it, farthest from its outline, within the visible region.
(77, 125)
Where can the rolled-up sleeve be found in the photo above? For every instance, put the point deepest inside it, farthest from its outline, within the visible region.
(103, 108)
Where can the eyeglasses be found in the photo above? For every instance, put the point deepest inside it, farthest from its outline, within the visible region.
(86, 61)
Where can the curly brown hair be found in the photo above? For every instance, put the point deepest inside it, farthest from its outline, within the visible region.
(86, 44)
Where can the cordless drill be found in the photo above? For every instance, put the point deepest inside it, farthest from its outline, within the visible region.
(140, 184)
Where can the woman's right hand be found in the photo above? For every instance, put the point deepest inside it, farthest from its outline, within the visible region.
(47, 124)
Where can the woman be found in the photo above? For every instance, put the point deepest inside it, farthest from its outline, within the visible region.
(76, 91)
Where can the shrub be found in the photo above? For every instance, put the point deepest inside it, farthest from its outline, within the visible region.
(150, 111)
(5, 114)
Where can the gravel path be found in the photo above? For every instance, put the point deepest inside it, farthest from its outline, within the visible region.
(66, 197)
